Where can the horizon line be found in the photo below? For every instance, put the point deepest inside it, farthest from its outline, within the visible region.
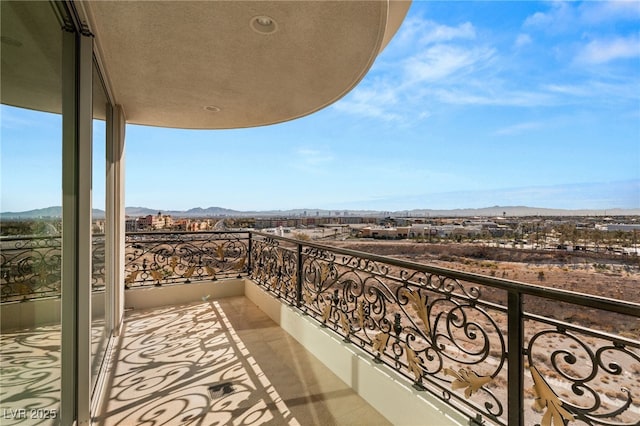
(632, 210)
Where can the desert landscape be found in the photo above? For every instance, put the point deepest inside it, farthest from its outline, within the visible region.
(602, 274)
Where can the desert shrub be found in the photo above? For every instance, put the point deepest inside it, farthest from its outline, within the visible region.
(301, 236)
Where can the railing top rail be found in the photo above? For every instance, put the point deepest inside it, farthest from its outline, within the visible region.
(167, 232)
(29, 237)
(576, 298)
(159, 232)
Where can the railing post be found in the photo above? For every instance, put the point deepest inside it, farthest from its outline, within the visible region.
(299, 276)
(249, 253)
(515, 387)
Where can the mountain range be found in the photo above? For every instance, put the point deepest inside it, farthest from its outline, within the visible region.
(198, 212)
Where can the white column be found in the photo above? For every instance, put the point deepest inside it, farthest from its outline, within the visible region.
(110, 222)
(115, 178)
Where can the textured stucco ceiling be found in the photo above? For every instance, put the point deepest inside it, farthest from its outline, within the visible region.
(168, 60)
(170, 63)
(30, 46)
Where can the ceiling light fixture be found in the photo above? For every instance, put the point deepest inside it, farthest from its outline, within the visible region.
(263, 24)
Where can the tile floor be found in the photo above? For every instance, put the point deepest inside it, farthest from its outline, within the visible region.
(168, 359)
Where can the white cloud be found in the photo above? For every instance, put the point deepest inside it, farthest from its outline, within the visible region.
(313, 157)
(571, 90)
(599, 90)
(561, 16)
(442, 61)
(311, 161)
(402, 92)
(408, 33)
(436, 33)
(601, 51)
(538, 19)
(454, 74)
(523, 40)
(421, 32)
(375, 100)
(568, 16)
(497, 96)
(451, 65)
(518, 128)
(425, 55)
(596, 12)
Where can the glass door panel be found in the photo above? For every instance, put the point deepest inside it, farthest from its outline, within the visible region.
(99, 331)
(30, 202)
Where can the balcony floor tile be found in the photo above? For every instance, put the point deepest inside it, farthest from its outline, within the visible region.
(168, 357)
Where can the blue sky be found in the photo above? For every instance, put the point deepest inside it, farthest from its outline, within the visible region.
(472, 104)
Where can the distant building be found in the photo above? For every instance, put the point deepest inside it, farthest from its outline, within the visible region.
(98, 227)
(625, 227)
(385, 233)
(151, 222)
(131, 224)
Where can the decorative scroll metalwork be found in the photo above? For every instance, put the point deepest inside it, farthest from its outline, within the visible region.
(98, 278)
(30, 267)
(547, 400)
(583, 375)
(418, 323)
(468, 380)
(423, 325)
(165, 258)
(434, 327)
(445, 331)
(275, 268)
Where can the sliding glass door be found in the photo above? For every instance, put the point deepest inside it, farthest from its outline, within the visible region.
(55, 292)
(30, 202)
(99, 304)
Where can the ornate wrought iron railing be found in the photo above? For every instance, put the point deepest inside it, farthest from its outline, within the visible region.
(501, 351)
(30, 267)
(153, 258)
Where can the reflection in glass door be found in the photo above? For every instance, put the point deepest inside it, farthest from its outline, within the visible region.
(99, 329)
(31, 182)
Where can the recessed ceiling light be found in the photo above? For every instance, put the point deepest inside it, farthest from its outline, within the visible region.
(263, 24)
(212, 108)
